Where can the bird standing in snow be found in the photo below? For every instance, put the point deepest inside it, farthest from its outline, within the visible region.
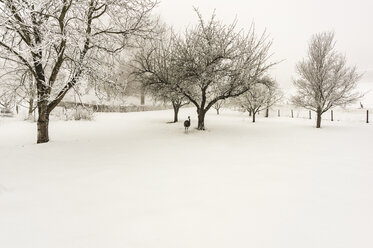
(187, 124)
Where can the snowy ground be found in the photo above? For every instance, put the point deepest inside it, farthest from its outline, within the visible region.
(131, 180)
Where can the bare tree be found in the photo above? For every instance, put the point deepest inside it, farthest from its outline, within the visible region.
(20, 84)
(325, 81)
(261, 96)
(217, 106)
(27, 91)
(154, 66)
(215, 62)
(210, 63)
(167, 95)
(24, 87)
(81, 38)
(7, 98)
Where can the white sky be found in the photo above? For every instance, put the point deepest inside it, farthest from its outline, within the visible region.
(290, 24)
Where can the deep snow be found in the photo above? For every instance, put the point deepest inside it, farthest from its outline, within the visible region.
(131, 180)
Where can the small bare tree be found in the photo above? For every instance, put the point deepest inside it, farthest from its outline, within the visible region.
(154, 66)
(24, 87)
(7, 99)
(325, 81)
(27, 91)
(261, 96)
(167, 95)
(217, 106)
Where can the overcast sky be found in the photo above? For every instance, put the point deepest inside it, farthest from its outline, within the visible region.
(290, 24)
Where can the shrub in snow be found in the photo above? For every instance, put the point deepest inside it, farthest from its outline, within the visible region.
(6, 112)
(82, 113)
(78, 113)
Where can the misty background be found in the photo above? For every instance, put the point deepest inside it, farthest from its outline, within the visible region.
(290, 24)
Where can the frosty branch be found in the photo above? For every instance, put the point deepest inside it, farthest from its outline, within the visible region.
(52, 36)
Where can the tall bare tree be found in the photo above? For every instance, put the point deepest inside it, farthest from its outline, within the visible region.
(325, 81)
(210, 63)
(216, 62)
(53, 36)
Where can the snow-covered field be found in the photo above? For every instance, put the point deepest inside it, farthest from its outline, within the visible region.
(131, 180)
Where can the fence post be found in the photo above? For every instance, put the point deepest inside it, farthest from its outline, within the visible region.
(278, 113)
(367, 116)
(331, 115)
(309, 114)
(292, 114)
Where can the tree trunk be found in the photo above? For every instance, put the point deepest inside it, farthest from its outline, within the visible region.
(217, 111)
(43, 122)
(254, 116)
(249, 112)
(201, 119)
(142, 95)
(30, 107)
(176, 112)
(267, 113)
(318, 121)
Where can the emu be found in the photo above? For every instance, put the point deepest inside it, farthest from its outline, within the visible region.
(187, 124)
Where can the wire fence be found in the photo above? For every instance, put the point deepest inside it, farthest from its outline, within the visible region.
(362, 115)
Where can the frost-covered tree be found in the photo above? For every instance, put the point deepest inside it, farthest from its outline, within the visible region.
(20, 84)
(261, 96)
(216, 62)
(210, 63)
(217, 106)
(27, 91)
(80, 38)
(154, 66)
(325, 81)
(24, 87)
(167, 95)
(7, 98)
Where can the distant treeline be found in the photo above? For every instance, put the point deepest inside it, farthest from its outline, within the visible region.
(111, 108)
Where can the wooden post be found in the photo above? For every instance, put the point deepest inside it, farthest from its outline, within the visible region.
(367, 116)
(331, 115)
(309, 114)
(292, 114)
(278, 113)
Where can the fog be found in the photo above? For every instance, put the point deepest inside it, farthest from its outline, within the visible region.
(290, 24)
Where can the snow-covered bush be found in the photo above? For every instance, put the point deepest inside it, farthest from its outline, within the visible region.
(77, 113)
(82, 113)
